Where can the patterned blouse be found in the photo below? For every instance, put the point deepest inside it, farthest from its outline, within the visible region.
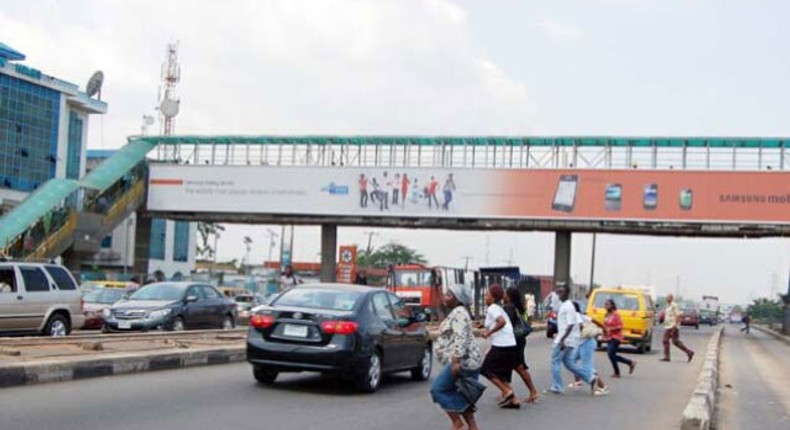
(456, 339)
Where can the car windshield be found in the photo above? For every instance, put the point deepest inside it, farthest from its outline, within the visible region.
(413, 277)
(624, 302)
(320, 298)
(244, 299)
(104, 295)
(160, 292)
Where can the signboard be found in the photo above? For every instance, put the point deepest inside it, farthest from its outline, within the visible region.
(636, 195)
(347, 264)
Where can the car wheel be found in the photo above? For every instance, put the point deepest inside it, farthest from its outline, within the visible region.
(370, 380)
(423, 371)
(178, 324)
(57, 326)
(264, 376)
(227, 323)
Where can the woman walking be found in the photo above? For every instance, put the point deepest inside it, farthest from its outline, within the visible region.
(613, 334)
(457, 349)
(503, 356)
(515, 309)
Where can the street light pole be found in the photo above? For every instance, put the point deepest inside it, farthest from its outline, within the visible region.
(592, 262)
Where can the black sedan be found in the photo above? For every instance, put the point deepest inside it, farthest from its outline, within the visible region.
(171, 306)
(358, 333)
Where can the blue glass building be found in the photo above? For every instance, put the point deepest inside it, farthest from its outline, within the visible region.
(43, 127)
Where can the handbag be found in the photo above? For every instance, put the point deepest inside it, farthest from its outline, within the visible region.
(521, 327)
(470, 388)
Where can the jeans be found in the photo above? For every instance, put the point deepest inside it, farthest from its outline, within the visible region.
(567, 357)
(363, 198)
(445, 392)
(585, 353)
(611, 350)
(448, 197)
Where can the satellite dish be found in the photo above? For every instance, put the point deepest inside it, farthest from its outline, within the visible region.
(169, 107)
(94, 84)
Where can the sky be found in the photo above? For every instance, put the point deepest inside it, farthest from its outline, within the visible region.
(575, 67)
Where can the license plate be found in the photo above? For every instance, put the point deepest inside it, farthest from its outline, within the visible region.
(124, 325)
(295, 330)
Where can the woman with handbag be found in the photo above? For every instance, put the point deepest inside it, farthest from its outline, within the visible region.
(613, 335)
(456, 389)
(516, 311)
(585, 352)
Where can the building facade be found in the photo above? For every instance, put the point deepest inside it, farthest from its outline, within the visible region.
(43, 128)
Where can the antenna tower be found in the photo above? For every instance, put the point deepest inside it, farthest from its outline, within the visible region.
(168, 100)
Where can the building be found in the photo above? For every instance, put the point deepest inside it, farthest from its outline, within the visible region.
(172, 248)
(43, 128)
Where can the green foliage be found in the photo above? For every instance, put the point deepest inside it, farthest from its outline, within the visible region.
(390, 254)
(770, 310)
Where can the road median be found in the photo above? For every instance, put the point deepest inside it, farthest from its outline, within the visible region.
(698, 414)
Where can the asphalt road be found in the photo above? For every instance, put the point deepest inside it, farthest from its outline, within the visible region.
(227, 397)
(755, 381)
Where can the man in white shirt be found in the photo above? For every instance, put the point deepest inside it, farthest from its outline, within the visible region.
(289, 278)
(565, 343)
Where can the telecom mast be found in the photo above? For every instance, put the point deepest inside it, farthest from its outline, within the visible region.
(168, 100)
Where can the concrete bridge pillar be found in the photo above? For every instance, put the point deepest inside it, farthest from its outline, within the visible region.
(328, 252)
(562, 257)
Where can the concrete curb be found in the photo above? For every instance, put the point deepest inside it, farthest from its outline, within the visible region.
(699, 411)
(89, 367)
(773, 333)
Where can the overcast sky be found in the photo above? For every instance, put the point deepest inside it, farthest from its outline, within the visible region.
(584, 67)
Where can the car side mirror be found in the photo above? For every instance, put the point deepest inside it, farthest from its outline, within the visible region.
(191, 299)
(420, 317)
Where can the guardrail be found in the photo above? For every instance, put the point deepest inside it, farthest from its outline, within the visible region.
(113, 337)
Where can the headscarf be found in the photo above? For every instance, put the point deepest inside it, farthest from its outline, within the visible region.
(462, 293)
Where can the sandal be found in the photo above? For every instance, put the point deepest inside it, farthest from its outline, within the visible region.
(507, 399)
(601, 391)
(511, 406)
(532, 399)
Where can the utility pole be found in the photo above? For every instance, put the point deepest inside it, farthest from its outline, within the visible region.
(466, 261)
(370, 241)
(592, 262)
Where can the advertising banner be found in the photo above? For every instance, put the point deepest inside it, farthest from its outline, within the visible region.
(347, 264)
(641, 195)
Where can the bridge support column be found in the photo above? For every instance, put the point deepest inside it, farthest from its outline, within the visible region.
(142, 245)
(562, 257)
(328, 252)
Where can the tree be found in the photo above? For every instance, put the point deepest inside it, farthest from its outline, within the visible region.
(207, 230)
(767, 310)
(390, 254)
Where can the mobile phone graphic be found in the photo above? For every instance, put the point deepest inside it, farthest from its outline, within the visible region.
(651, 197)
(565, 197)
(614, 197)
(686, 199)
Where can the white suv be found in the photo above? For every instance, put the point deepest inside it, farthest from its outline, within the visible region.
(38, 298)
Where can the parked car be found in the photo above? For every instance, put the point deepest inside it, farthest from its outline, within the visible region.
(244, 302)
(689, 317)
(171, 306)
(96, 301)
(38, 298)
(635, 306)
(359, 333)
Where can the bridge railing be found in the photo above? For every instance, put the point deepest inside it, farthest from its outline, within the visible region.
(498, 153)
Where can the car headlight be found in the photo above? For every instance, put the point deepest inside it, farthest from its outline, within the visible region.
(106, 313)
(158, 314)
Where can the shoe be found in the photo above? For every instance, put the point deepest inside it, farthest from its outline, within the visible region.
(601, 391)
(576, 385)
(664, 359)
(633, 366)
(507, 399)
(511, 406)
(691, 356)
(594, 385)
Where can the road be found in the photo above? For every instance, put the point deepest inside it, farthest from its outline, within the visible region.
(226, 397)
(755, 382)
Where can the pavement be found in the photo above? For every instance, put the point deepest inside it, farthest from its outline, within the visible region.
(227, 397)
(754, 382)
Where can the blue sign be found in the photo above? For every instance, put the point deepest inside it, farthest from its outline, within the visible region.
(27, 71)
(335, 190)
